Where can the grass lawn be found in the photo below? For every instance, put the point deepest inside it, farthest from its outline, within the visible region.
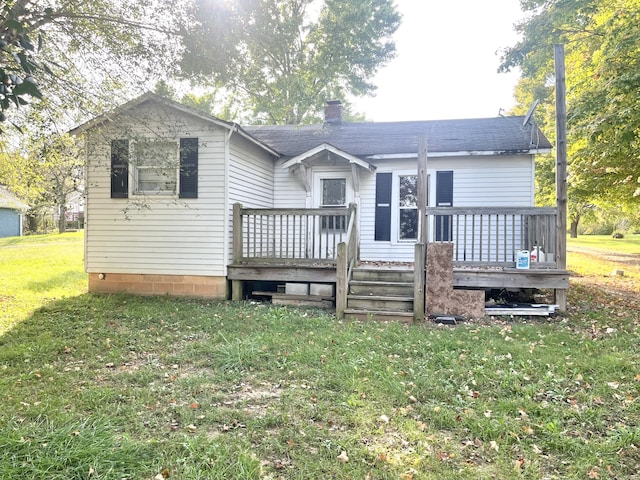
(120, 387)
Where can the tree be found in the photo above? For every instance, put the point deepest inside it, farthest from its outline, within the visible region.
(603, 80)
(283, 62)
(46, 176)
(84, 54)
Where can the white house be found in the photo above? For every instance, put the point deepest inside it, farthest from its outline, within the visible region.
(162, 180)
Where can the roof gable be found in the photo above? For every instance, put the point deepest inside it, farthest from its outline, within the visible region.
(150, 97)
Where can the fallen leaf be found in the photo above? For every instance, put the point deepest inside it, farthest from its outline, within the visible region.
(408, 475)
(343, 457)
(613, 385)
(191, 427)
(594, 473)
(194, 405)
(91, 471)
(494, 445)
(384, 418)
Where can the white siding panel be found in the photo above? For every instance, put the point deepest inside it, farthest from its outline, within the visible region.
(156, 234)
(251, 180)
(289, 189)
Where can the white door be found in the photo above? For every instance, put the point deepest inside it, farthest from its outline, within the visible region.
(331, 190)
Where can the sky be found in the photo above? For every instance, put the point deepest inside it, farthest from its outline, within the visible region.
(446, 62)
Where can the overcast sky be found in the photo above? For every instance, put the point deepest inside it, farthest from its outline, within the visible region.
(446, 63)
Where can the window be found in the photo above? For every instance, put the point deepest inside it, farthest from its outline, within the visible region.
(156, 167)
(334, 194)
(408, 207)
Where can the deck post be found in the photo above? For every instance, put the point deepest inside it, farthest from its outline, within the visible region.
(561, 169)
(237, 285)
(342, 257)
(419, 281)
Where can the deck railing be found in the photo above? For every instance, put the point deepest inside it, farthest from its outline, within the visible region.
(487, 236)
(286, 236)
(348, 253)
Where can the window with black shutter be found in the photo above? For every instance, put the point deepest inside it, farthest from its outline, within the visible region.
(120, 168)
(188, 168)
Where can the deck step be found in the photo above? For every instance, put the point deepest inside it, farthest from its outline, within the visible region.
(382, 274)
(378, 315)
(378, 302)
(367, 287)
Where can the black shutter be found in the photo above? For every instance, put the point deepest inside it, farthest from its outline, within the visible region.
(119, 168)
(444, 198)
(383, 207)
(188, 168)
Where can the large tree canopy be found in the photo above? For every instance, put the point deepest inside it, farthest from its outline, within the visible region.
(284, 58)
(83, 53)
(602, 44)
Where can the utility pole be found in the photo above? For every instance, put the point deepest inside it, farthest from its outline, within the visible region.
(561, 169)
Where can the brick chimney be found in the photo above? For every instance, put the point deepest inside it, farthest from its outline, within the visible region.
(333, 112)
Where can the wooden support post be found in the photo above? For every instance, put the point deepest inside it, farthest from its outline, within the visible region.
(561, 169)
(422, 190)
(420, 255)
(342, 283)
(237, 285)
(419, 281)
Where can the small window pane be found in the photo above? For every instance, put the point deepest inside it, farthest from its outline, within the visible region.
(408, 224)
(409, 191)
(156, 180)
(334, 192)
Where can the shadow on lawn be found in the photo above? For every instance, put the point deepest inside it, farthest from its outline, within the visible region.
(69, 277)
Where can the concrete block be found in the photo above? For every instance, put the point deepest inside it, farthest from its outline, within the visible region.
(296, 289)
(321, 289)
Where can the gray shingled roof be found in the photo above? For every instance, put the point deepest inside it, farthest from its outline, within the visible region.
(10, 201)
(364, 139)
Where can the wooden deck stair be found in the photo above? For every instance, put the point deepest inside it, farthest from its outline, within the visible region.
(380, 293)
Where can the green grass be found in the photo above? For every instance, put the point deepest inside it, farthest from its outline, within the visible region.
(115, 386)
(36, 270)
(629, 244)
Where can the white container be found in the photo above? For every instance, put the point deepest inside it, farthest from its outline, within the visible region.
(523, 259)
(537, 254)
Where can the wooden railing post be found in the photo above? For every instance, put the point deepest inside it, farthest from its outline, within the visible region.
(342, 268)
(419, 281)
(237, 285)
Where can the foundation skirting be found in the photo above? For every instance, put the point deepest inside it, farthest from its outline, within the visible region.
(146, 284)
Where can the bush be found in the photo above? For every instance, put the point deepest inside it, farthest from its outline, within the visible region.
(617, 235)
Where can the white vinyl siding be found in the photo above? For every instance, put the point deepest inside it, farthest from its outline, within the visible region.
(251, 181)
(150, 234)
(289, 189)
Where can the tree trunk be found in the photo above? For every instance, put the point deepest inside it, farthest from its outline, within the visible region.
(573, 228)
(62, 221)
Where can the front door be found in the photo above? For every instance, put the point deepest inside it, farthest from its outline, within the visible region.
(331, 190)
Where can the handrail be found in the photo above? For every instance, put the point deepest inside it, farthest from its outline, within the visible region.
(347, 257)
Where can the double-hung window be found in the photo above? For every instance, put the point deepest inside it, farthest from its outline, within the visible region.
(408, 207)
(156, 167)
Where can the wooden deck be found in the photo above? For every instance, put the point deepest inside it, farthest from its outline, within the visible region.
(322, 246)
